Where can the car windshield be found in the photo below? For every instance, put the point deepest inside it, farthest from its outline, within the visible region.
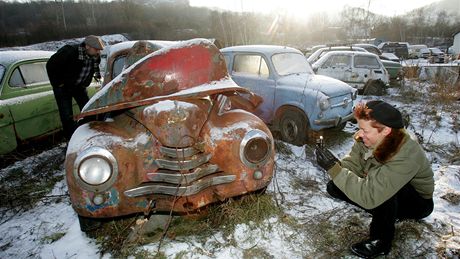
(291, 63)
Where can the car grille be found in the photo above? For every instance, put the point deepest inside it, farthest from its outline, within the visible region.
(181, 172)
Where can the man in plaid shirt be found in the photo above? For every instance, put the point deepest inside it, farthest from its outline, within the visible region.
(70, 70)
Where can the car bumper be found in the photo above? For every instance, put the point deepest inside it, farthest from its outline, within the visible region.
(333, 122)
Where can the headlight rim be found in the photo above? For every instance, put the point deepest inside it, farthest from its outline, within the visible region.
(324, 103)
(250, 135)
(90, 153)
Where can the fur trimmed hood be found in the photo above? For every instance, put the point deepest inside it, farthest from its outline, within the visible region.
(389, 146)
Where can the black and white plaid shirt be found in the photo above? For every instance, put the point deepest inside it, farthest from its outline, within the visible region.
(88, 63)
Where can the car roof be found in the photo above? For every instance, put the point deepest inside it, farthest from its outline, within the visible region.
(266, 49)
(12, 56)
(353, 53)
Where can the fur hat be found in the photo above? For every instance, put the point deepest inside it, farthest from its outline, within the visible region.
(94, 42)
(386, 114)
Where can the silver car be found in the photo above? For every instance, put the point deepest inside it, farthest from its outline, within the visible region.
(354, 68)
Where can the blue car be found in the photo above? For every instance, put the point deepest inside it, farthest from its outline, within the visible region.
(296, 102)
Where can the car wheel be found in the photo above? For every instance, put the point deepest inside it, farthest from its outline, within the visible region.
(293, 127)
(374, 87)
(88, 224)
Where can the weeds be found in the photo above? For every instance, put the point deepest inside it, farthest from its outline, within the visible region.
(22, 187)
(249, 209)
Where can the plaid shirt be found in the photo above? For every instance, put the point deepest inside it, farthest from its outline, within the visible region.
(88, 63)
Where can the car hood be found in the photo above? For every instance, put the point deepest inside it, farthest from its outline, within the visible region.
(327, 85)
(188, 69)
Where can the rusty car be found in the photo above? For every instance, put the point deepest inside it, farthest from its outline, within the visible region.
(173, 134)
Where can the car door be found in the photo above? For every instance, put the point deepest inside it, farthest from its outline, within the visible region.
(251, 71)
(367, 67)
(337, 66)
(29, 96)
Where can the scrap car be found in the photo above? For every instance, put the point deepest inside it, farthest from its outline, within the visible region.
(359, 69)
(173, 137)
(296, 102)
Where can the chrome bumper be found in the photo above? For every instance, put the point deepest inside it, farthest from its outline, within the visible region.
(333, 122)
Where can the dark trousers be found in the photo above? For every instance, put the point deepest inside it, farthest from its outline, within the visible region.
(63, 96)
(405, 204)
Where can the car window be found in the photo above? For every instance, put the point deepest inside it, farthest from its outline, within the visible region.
(291, 63)
(29, 75)
(227, 60)
(250, 65)
(118, 66)
(366, 62)
(2, 72)
(337, 61)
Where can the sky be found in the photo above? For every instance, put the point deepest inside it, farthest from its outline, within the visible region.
(302, 8)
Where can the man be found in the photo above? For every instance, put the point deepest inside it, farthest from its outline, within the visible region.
(70, 71)
(386, 173)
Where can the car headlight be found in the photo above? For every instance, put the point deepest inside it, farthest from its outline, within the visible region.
(95, 169)
(324, 103)
(354, 94)
(255, 148)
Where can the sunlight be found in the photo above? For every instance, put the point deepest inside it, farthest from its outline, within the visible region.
(302, 9)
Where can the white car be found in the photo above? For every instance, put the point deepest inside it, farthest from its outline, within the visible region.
(355, 68)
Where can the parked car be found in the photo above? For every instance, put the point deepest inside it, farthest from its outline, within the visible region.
(355, 68)
(389, 60)
(174, 137)
(415, 51)
(296, 102)
(28, 109)
(436, 55)
(400, 49)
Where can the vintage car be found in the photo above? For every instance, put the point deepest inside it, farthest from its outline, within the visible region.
(393, 66)
(296, 102)
(28, 109)
(355, 68)
(173, 138)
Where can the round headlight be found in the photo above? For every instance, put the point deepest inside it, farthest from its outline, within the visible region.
(324, 103)
(255, 148)
(95, 170)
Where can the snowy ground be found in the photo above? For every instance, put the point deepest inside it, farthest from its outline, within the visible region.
(51, 229)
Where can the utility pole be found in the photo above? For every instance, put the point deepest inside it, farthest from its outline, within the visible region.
(63, 15)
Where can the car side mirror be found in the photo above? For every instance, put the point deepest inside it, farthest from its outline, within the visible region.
(315, 69)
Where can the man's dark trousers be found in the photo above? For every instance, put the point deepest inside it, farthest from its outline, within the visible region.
(405, 204)
(64, 97)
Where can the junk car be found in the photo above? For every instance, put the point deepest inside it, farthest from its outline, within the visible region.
(358, 69)
(296, 102)
(28, 109)
(174, 137)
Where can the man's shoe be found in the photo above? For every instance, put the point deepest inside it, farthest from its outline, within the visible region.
(371, 248)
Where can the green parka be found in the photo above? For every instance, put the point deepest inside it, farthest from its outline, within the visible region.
(370, 177)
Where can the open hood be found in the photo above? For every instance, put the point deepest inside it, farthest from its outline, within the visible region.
(187, 69)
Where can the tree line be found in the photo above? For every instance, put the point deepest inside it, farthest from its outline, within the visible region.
(25, 23)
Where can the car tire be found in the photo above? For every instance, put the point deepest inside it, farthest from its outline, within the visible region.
(293, 127)
(374, 87)
(88, 224)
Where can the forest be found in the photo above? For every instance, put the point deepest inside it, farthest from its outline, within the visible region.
(30, 22)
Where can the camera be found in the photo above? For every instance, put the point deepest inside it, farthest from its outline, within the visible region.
(320, 142)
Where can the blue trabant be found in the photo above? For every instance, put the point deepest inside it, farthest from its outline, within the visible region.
(296, 102)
